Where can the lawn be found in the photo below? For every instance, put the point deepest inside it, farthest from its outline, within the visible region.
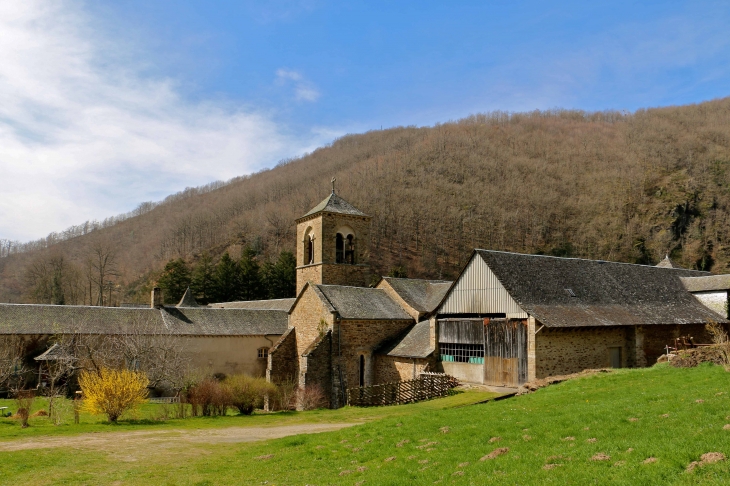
(669, 416)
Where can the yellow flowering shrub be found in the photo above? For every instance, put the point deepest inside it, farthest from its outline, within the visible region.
(112, 392)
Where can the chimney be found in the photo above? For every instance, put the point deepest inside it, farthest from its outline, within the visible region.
(156, 300)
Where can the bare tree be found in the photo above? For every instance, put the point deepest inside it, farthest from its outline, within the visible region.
(12, 367)
(103, 266)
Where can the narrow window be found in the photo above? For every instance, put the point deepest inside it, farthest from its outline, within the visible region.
(362, 370)
(263, 353)
(340, 247)
(310, 251)
(614, 355)
(350, 250)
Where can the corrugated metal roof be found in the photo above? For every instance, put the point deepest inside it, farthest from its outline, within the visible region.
(334, 204)
(704, 284)
(606, 293)
(422, 295)
(479, 291)
(362, 303)
(64, 319)
(415, 343)
(270, 304)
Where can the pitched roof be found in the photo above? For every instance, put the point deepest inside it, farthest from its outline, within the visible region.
(415, 343)
(188, 300)
(54, 353)
(704, 284)
(667, 263)
(422, 295)
(270, 304)
(334, 204)
(65, 319)
(571, 292)
(362, 303)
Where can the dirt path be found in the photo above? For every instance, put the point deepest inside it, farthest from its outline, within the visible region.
(107, 441)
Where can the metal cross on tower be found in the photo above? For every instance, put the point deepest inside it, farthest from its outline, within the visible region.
(333, 185)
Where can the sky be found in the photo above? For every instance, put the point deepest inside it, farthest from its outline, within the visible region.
(107, 104)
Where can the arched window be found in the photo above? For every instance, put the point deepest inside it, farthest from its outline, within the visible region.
(263, 353)
(309, 251)
(350, 250)
(340, 249)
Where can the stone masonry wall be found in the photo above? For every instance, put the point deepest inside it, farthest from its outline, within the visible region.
(656, 337)
(309, 273)
(360, 225)
(389, 369)
(310, 318)
(318, 362)
(283, 359)
(564, 351)
(359, 338)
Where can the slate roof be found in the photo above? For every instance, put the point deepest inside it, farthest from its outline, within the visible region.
(334, 204)
(188, 300)
(54, 353)
(361, 303)
(64, 319)
(422, 295)
(605, 293)
(271, 304)
(416, 343)
(667, 263)
(704, 284)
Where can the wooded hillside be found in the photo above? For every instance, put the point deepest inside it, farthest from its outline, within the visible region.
(613, 186)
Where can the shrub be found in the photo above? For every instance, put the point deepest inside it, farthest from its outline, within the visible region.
(285, 396)
(24, 400)
(112, 392)
(310, 397)
(247, 393)
(209, 398)
(721, 341)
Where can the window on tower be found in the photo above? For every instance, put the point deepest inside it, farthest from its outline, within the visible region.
(340, 249)
(350, 250)
(309, 251)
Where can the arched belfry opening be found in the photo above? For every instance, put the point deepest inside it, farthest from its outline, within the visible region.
(350, 249)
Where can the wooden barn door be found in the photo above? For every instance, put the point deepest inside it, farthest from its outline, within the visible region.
(505, 352)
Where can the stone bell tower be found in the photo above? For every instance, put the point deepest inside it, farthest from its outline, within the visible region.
(333, 244)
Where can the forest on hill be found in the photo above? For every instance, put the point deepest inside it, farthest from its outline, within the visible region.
(628, 187)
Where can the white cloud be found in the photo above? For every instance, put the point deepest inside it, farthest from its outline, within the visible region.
(303, 89)
(84, 135)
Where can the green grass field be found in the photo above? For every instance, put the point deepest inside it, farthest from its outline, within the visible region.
(629, 416)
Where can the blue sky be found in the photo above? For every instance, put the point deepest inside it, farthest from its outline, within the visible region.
(94, 96)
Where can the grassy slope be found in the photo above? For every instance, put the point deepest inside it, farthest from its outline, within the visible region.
(532, 427)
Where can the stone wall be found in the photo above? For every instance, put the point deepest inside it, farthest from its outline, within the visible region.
(334, 223)
(308, 273)
(389, 369)
(563, 351)
(655, 338)
(283, 359)
(317, 370)
(354, 339)
(310, 318)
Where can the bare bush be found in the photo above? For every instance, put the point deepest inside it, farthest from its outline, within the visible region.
(720, 339)
(310, 397)
(24, 401)
(209, 398)
(285, 396)
(12, 367)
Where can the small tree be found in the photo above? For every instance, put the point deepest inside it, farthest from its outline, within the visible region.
(175, 280)
(24, 400)
(247, 393)
(112, 392)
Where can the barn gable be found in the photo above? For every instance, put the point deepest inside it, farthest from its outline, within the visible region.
(479, 291)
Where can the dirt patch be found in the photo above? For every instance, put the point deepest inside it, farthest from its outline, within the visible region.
(120, 440)
(707, 458)
(552, 380)
(601, 457)
(495, 453)
(650, 460)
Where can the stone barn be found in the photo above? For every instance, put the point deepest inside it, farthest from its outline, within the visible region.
(510, 318)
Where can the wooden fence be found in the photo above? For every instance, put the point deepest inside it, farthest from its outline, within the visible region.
(429, 385)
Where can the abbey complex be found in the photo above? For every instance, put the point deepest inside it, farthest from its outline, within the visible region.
(507, 319)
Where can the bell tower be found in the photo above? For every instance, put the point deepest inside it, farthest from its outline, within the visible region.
(333, 244)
